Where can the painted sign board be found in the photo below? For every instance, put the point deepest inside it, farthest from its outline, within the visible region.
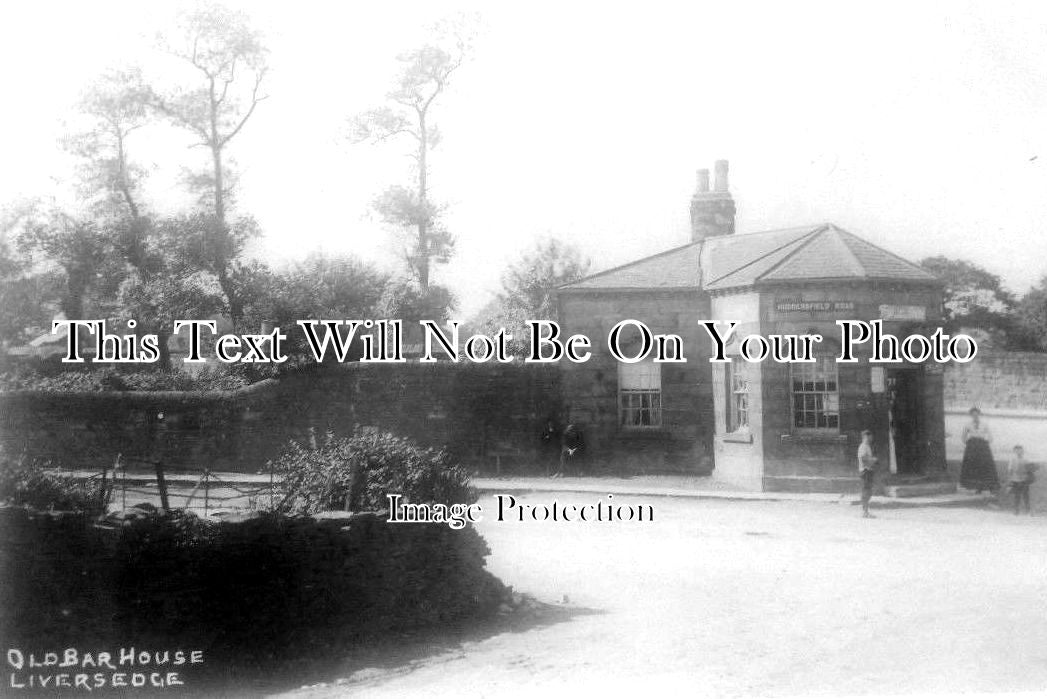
(794, 306)
(892, 312)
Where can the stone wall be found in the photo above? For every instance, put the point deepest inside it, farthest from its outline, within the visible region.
(474, 411)
(999, 380)
(683, 443)
(478, 412)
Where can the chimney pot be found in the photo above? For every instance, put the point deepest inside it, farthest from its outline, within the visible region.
(721, 175)
(703, 180)
(712, 213)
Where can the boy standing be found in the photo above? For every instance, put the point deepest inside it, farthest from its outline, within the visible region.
(1020, 474)
(866, 470)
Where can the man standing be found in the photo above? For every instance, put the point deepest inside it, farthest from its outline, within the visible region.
(866, 470)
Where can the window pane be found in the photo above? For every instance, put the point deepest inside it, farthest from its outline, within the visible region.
(815, 397)
(640, 408)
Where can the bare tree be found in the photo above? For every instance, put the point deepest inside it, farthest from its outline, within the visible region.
(424, 76)
(231, 63)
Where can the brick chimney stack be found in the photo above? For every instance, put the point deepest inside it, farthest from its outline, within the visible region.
(712, 212)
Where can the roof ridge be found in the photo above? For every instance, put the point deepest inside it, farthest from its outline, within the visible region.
(798, 243)
(848, 235)
(630, 264)
(858, 264)
(687, 245)
(809, 227)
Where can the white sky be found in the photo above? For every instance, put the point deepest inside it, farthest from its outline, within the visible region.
(915, 125)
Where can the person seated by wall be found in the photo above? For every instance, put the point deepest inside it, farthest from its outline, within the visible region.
(549, 445)
(572, 450)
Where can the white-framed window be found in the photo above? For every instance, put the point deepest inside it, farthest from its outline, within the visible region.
(640, 395)
(815, 395)
(736, 386)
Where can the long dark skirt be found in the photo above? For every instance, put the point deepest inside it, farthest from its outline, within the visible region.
(979, 468)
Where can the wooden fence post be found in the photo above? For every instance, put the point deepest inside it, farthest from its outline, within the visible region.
(101, 493)
(161, 483)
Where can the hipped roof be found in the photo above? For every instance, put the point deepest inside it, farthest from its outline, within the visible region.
(823, 252)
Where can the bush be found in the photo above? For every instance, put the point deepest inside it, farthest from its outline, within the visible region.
(109, 379)
(356, 473)
(247, 593)
(23, 483)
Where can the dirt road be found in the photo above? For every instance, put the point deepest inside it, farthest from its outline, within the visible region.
(754, 599)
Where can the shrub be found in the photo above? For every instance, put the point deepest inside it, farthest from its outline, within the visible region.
(23, 483)
(109, 379)
(356, 473)
(247, 593)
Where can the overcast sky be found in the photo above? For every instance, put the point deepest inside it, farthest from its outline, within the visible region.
(919, 126)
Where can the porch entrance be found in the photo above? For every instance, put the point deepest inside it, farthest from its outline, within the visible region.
(905, 437)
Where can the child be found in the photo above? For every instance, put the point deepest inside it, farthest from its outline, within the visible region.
(1020, 473)
(866, 470)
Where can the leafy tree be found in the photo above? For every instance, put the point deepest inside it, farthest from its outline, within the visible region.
(82, 251)
(321, 286)
(27, 297)
(1032, 317)
(425, 74)
(163, 284)
(409, 303)
(975, 301)
(204, 243)
(230, 62)
(11, 263)
(529, 288)
(166, 277)
(332, 286)
(79, 248)
(115, 106)
(531, 283)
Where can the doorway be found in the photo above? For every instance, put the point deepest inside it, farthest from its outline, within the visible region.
(903, 393)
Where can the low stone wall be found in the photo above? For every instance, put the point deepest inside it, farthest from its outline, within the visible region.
(473, 411)
(250, 592)
(998, 380)
(482, 414)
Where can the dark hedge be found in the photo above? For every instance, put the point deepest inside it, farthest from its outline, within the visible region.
(269, 589)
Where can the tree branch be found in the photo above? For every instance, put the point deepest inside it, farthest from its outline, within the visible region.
(159, 104)
(255, 99)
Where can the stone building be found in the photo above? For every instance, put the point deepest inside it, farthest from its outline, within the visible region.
(762, 425)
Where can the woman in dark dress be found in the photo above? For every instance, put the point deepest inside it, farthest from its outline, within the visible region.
(978, 472)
